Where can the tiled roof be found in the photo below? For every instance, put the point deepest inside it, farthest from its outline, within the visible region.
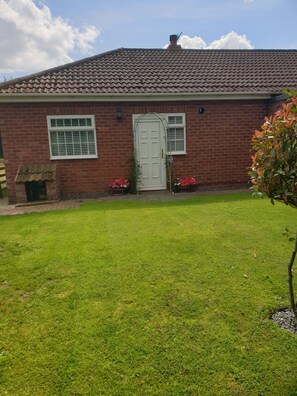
(159, 71)
(36, 173)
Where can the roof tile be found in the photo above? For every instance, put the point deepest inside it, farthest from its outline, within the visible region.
(157, 71)
(36, 172)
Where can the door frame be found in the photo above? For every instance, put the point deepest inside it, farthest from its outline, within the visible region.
(153, 117)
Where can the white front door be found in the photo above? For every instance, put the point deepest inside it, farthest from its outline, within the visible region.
(150, 151)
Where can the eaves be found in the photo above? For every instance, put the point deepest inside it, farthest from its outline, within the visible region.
(40, 97)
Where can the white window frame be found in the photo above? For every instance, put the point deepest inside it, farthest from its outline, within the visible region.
(71, 128)
(182, 125)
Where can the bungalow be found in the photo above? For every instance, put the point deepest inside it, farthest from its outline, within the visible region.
(67, 131)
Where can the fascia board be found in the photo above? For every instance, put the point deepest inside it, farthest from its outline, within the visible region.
(23, 98)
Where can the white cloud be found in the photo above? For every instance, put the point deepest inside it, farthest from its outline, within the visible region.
(33, 39)
(191, 42)
(231, 40)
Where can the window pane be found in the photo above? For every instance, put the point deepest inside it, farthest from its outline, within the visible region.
(76, 137)
(175, 120)
(68, 135)
(91, 137)
(83, 136)
(179, 133)
(61, 137)
(176, 139)
(170, 146)
(62, 149)
(67, 142)
(179, 145)
(77, 150)
(69, 122)
(54, 138)
(92, 149)
(84, 149)
(55, 150)
(70, 149)
(171, 133)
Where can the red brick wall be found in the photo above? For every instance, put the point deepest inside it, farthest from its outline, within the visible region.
(218, 141)
(273, 107)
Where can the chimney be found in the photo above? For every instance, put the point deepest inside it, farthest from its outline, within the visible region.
(173, 42)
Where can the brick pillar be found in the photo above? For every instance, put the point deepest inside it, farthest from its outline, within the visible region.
(52, 190)
(20, 192)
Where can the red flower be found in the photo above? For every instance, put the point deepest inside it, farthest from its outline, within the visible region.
(121, 182)
(187, 181)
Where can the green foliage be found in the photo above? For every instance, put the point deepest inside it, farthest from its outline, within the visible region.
(134, 176)
(274, 168)
(143, 298)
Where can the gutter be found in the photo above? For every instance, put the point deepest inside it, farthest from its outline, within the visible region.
(54, 98)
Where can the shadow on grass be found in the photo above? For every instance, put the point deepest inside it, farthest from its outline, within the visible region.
(131, 204)
(197, 200)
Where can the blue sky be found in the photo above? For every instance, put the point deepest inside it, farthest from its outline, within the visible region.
(38, 34)
(129, 23)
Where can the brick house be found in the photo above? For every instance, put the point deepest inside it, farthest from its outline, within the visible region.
(74, 128)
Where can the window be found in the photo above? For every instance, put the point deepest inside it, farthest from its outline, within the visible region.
(72, 137)
(176, 134)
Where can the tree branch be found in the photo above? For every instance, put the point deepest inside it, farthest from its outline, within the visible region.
(290, 279)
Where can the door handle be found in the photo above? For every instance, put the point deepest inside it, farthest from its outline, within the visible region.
(162, 153)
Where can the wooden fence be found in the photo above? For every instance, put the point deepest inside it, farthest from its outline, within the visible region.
(2, 179)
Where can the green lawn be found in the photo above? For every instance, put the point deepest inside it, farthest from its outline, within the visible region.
(133, 298)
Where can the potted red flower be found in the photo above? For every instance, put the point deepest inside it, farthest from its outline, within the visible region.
(119, 186)
(186, 183)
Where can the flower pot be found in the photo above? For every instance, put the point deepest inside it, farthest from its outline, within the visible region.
(187, 188)
(187, 183)
(119, 191)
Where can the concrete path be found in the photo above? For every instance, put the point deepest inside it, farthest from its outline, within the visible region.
(148, 196)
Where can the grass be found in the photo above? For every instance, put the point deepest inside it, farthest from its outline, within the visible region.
(129, 298)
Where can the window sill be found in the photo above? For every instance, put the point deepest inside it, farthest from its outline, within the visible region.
(74, 157)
